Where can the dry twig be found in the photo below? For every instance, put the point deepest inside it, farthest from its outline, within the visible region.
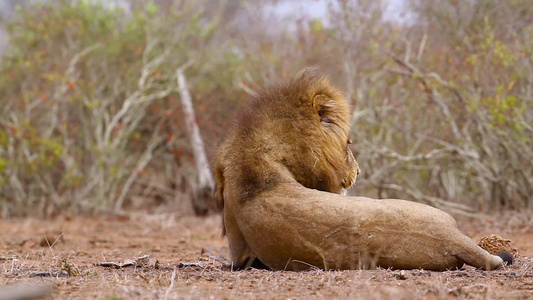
(136, 262)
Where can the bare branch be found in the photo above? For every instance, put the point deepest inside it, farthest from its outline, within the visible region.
(434, 95)
(437, 202)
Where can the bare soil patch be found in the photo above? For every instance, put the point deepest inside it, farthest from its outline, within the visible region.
(66, 253)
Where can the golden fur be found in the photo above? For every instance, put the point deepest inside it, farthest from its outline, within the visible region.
(278, 176)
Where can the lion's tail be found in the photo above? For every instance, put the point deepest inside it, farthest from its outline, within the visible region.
(507, 257)
(477, 257)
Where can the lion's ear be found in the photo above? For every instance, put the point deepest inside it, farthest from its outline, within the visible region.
(324, 107)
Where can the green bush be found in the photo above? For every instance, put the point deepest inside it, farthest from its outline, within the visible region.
(88, 99)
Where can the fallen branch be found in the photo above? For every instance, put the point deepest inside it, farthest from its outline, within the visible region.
(216, 255)
(183, 264)
(49, 274)
(136, 262)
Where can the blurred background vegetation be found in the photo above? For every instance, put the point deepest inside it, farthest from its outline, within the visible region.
(91, 116)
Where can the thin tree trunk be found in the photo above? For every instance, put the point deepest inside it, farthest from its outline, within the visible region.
(204, 190)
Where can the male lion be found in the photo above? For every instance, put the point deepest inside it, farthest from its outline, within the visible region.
(277, 175)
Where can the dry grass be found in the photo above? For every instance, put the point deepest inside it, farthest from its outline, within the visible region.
(64, 253)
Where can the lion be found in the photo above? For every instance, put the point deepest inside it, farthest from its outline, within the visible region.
(279, 175)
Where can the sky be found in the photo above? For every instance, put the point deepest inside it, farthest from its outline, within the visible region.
(309, 8)
(318, 9)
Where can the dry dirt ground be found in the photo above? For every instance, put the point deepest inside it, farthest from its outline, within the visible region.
(64, 254)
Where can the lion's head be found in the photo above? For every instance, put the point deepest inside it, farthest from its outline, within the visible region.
(295, 130)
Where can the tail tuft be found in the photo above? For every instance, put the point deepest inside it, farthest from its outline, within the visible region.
(506, 256)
